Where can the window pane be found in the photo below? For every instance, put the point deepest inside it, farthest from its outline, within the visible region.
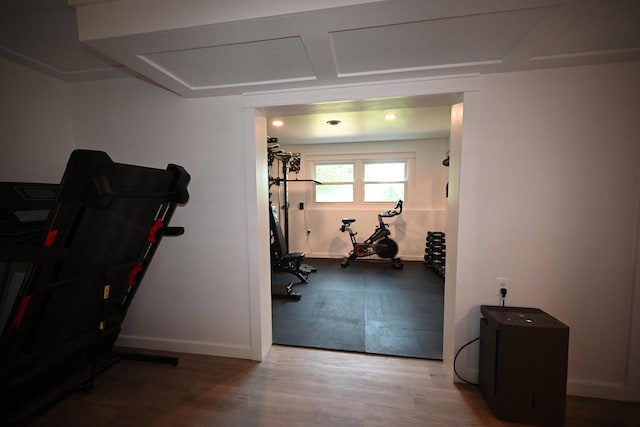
(383, 192)
(334, 173)
(334, 193)
(384, 171)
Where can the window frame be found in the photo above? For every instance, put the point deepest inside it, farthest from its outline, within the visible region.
(336, 183)
(359, 160)
(404, 181)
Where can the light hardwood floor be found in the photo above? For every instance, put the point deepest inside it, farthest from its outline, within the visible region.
(297, 387)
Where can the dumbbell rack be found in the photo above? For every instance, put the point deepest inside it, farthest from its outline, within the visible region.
(435, 252)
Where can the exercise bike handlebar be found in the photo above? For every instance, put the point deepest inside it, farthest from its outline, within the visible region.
(395, 211)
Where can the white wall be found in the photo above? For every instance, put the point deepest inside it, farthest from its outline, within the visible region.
(553, 176)
(424, 207)
(36, 124)
(539, 198)
(195, 296)
(548, 195)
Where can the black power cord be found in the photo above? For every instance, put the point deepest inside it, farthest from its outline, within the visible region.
(503, 295)
(456, 358)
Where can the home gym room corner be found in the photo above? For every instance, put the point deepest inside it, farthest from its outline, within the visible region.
(358, 220)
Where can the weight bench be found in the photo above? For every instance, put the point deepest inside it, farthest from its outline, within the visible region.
(67, 281)
(282, 260)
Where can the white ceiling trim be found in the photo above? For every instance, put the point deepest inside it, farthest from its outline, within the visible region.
(425, 68)
(628, 52)
(442, 89)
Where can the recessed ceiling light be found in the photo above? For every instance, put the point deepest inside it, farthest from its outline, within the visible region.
(277, 123)
(390, 116)
(334, 122)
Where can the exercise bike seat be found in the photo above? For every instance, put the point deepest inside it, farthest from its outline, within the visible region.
(347, 221)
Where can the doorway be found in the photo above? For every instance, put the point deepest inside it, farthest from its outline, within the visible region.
(367, 307)
(258, 106)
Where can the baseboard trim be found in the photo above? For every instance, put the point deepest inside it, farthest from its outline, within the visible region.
(181, 346)
(583, 388)
(600, 390)
(340, 256)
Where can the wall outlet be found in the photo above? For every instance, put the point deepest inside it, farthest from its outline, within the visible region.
(503, 283)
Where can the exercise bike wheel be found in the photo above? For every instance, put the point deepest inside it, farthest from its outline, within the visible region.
(389, 248)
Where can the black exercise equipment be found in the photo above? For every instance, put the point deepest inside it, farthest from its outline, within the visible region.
(435, 252)
(445, 162)
(24, 208)
(379, 243)
(281, 259)
(290, 162)
(64, 298)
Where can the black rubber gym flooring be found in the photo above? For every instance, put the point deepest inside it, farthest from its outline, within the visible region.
(366, 307)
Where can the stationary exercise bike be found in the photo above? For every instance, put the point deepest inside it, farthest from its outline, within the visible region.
(379, 243)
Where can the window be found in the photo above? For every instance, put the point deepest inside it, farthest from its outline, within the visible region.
(376, 179)
(337, 182)
(384, 182)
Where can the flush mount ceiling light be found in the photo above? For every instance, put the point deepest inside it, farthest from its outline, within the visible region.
(334, 122)
(390, 116)
(277, 123)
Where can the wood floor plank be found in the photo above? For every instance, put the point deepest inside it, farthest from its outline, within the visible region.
(296, 387)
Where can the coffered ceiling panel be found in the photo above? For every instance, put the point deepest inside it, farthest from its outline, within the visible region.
(199, 48)
(259, 62)
(42, 34)
(439, 43)
(605, 28)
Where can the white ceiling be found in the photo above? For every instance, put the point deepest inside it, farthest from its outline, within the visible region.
(42, 34)
(362, 124)
(199, 48)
